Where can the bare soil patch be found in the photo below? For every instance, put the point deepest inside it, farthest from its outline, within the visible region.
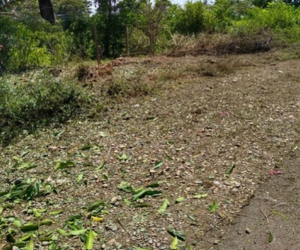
(204, 140)
(271, 221)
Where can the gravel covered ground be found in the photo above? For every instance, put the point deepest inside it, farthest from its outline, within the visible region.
(170, 170)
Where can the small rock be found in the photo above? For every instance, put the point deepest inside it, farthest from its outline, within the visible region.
(216, 242)
(248, 230)
(112, 242)
(237, 184)
(45, 243)
(113, 200)
(111, 227)
(198, 182)
(217, 183)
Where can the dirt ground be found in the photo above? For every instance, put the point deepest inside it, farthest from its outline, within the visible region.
(214, 144)
(271, 220)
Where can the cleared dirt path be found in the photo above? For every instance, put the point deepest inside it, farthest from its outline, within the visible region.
(271, 221)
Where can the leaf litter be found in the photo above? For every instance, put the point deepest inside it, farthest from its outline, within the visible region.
(73, 172)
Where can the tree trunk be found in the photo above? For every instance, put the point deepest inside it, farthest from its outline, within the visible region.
(127, 41)
(152, 38)
(97, 47)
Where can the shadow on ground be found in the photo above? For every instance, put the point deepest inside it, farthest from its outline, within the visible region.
(271, 221)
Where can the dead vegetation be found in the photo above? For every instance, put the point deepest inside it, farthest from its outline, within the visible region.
(217, 44)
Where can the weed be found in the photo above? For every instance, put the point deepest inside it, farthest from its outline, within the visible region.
(82, 72)
(131, 84)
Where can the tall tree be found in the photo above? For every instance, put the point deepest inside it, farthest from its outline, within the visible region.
(129, 11)
(190, 20)
(151, 20)
(107, 9)
(69, 11)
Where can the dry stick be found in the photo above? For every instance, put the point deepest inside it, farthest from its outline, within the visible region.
(118, 220)
(271, 235)
(265, 217)
(12, 13)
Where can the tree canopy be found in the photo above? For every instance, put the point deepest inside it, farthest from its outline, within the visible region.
(126, 27)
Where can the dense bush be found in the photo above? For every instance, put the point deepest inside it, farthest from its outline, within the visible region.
(25, 48)
(278, 17)
(190, 20)
(37, 101)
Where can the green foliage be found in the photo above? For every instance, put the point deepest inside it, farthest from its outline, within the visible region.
(190, 20)
(43, 99)
(279, 17)
(26, 52)
(24, 48)
(7, 28)
(83, 44)
(134, 27)
(261, 3)
(222, 15)
(111, 28)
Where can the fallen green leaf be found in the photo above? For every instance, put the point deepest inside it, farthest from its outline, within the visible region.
(123, 157)
(145, 192)
(179, 199)
(174, 244)
(280, 214)
(230, 169)
(199, 196)
(153, 185)
(17, 223)
(62, 232)
(271, 236)
(126, 187)
(101, 165)
(64, 165)
(157, 164)
(30, 245)
(86, 147)
(46, 222)
(29, 227)
(127, 202)
(142, 205)
(26, 237)
(78, 232)
(79, 177)
(179, 234)
(96, 205)
(212, 208)
(164, 206)
(89, 240)
(56, 212)
(191, 217)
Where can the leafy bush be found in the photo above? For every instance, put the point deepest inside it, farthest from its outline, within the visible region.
(39, 101)
(278, 17)
(25, 48)
(190, 20)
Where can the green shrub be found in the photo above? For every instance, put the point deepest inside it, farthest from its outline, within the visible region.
(39, 101)
(278, 20)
